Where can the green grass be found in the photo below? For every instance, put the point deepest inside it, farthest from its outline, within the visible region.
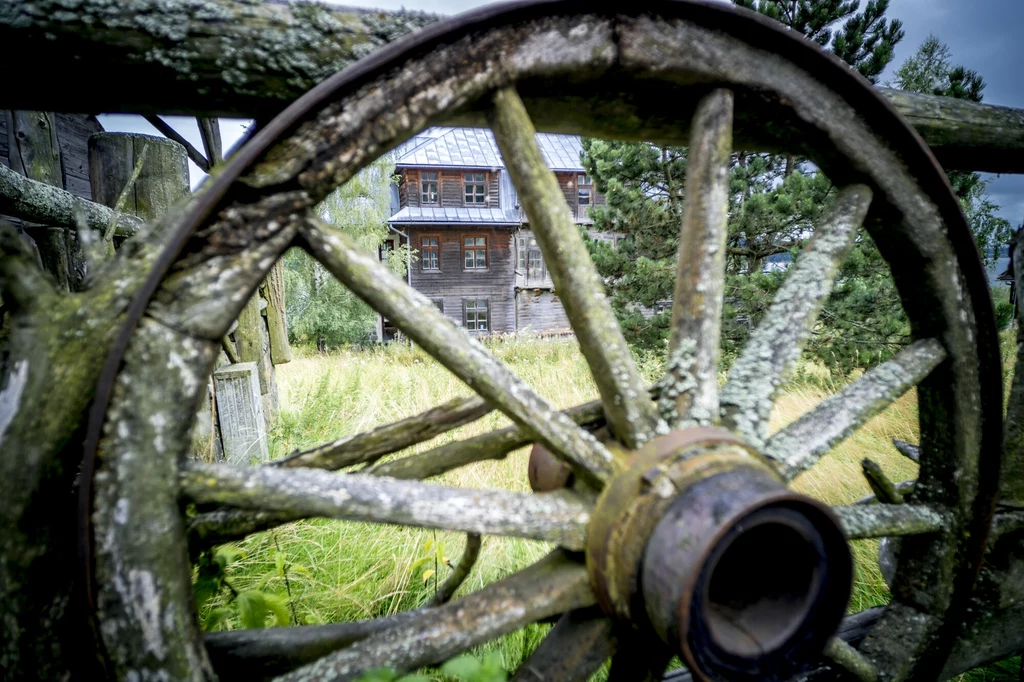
(346, 571)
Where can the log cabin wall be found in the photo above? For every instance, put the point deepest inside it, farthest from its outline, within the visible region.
(452, 284)
(539, 310)
(451, 187)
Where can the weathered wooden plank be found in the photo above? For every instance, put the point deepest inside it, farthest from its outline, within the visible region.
(369, 446)
(631, 414)
(749, 394)
(695, 345)
(240, 414)
(552, 517)
(35, 153)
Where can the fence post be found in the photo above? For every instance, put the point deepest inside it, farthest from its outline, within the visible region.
(243, 429)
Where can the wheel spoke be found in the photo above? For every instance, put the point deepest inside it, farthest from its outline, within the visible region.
(748, 396)
(418, 318)
(493, 445)
(903, 488)
(883, 487)
(911, 452)
(577, 646)
(369, 446)
(227, 525)
(553, 585)
(554, 517)
(889, 520)
(263, 654)
(851, 660)
(700, 277)
(800, 445)
(631, 413)
(459, 574)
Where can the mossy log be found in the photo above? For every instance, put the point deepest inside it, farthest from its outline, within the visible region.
(251, 59)
(198, 57)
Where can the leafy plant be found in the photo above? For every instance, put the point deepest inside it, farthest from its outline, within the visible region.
(251, 607)
(433, 551)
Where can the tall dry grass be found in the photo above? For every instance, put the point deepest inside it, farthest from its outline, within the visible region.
(346, 571)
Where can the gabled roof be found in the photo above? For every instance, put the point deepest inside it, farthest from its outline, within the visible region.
(476, 148)
(425, 215)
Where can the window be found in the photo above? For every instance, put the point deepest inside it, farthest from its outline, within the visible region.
(521, 244)
(474, 252)
(536, 264)
(584, 188)
(386, 247)
(429, 253)
(475, 314)
(428, 187)
(476, 188)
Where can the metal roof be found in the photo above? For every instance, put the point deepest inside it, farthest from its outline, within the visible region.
(476, 148)
(423, 215)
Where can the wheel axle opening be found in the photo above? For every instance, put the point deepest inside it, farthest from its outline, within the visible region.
(749, 578)
(762, 583)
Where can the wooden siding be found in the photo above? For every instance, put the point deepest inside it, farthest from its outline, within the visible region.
(452, 283)
(73, 131)
(451, 188)
(539, 310)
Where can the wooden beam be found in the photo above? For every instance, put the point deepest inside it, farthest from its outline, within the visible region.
(249, 59)
(197, 57)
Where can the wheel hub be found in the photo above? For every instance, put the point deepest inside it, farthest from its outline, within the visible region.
(699, 540)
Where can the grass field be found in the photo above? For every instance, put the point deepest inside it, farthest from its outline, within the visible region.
(344, 571)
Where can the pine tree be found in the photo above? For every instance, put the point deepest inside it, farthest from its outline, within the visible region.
(774, 203)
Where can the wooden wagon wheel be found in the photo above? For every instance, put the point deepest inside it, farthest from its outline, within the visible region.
(695, 469)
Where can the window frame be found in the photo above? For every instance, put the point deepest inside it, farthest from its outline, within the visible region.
(584, 187)
(482, 184)
(437, 188)
(436, 249)
(475, 247)
(476, 311)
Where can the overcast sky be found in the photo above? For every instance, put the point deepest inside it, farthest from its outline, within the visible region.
(984, 35)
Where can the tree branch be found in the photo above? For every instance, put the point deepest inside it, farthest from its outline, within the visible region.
(38, 202)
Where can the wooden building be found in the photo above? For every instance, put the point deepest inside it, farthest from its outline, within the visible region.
(476, 257)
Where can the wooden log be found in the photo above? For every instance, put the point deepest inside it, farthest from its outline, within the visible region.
(251, 59)
(240, 414)
(965, 135)
(272, 291)
(223, 57)
(39, 202)
(162, 181)
(35, 153)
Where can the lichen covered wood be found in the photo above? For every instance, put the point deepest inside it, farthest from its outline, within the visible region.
(556, 517)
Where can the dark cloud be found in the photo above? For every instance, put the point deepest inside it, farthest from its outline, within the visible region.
(984, 35)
